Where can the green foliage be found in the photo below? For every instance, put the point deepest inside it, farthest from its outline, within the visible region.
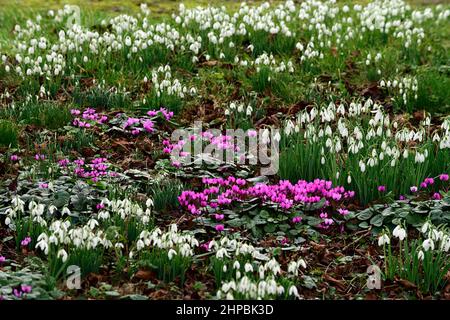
(9, 133)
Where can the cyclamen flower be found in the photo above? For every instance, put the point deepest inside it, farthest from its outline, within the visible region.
(296, 219)
(43, 185)
(26, 288)
(25, 242)
(220, 227)
(14, 158)
(437, 196)
(343, 211)
(39, 156)
(413, 189)
(2, 259)
(381, 188)
(148, 126)
(443, 177)
(219, 216)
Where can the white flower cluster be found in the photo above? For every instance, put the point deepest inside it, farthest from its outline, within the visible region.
(375, 139)
(256, 275)
(62, 234)
(239, 108)
(164, 83)
(405, 87)
(323, 25)
(173, 241)
(125, 209)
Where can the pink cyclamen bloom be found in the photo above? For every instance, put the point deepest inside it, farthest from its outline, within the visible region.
(429, 181)
(43, 185)
(100, 206)
(402, 197)
(437, 196)
(63, 162)
(220, 227)
(25, 242)
(443, 177)
(343, 211)
(296, 219)
(413, 189)
(423, 185)
(14, 158)
(2, 259)
(219, 216)
(381, 188)
(75, 112)
(26, 288)
(39, 156)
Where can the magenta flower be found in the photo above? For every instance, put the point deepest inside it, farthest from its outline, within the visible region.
(219, 216)
(437, 196)
(443, 177)
(296, 219)
(220, 227)
(2, 259)
(14, 158)
(25, 242)
(423, 185)
(381, 188)
(343, 211)
(43, 185)
(413, 189)
(148, 126)
(26, 288)
(402, 197)
(39, 156)
(429, 181)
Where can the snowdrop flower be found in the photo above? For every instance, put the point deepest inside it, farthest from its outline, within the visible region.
(171, 254)
(420, 255)
(63, 255)
(425, 227)
(428, 244)
(384, 239)
(399, 232)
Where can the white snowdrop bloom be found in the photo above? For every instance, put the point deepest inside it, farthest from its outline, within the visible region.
(428, 244)
(248, 267)
(171, 253)
(399, 233)
(383, 239)
(420, 255)
(63, 255)
(425, 227)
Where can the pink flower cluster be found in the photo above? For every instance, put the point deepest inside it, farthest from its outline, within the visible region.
(88, 118)
(163, 111)
(23, 289)
(25, 242)
(221, 142)
(94, 170)
(222, 192)
(138, 125)
(428, 182)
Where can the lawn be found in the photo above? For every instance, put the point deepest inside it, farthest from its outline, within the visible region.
(219, 150)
